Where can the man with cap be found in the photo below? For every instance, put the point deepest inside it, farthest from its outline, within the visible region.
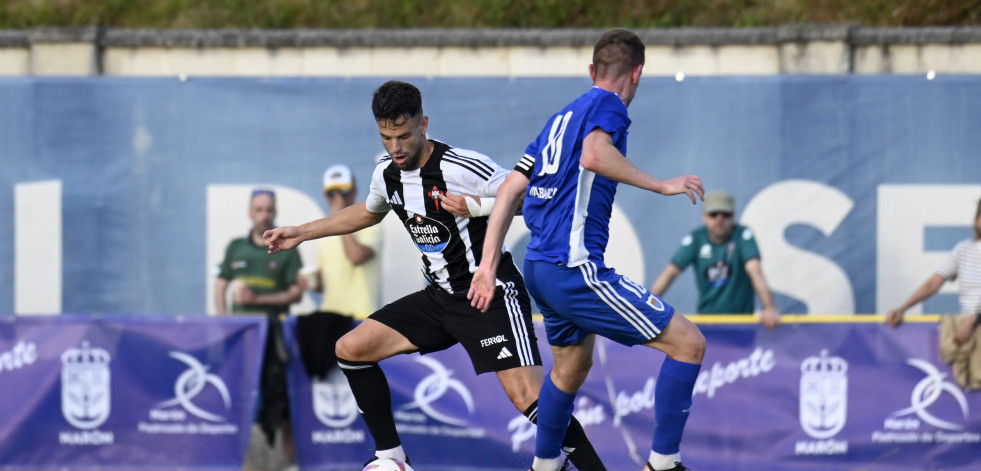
(726, 262)
(349, 270)
(349, 264)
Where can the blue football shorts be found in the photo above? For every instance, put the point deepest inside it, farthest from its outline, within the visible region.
(578, 301)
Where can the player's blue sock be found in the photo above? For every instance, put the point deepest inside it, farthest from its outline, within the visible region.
(672, 401)
(554, 413)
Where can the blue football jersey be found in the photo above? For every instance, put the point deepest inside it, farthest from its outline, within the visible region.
(567, 207)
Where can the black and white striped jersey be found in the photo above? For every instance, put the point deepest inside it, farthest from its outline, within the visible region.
(451, 246)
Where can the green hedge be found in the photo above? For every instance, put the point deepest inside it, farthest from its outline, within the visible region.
(18, 14)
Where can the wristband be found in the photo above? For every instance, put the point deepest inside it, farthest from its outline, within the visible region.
(483, 208)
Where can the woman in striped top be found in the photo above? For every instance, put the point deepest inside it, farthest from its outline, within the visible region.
(964, 265)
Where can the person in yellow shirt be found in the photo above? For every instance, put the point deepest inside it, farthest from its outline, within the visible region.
(349, 276)
(349, 265)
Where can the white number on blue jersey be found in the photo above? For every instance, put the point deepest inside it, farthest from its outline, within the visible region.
(553, 149)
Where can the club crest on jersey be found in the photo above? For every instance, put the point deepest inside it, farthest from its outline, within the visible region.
(436, 195)
(429, 235)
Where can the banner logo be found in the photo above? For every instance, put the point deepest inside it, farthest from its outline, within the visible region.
(927, 391)
(85, 386)
(434, 387)
(191, 383)
(905, 426)
(333, 401)
(823, 404)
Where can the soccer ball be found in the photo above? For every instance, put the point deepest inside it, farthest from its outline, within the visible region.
(386, 464)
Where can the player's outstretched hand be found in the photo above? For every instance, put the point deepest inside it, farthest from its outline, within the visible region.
(482, 289)
(282, 238)
(690, 185)
(456, 204)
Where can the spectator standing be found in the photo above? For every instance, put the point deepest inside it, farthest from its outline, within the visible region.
(726, 262)
(264, 285)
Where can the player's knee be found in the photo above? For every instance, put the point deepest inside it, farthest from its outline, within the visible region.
(700, 347)
(346, 348)
(694, 345)
(571, 377)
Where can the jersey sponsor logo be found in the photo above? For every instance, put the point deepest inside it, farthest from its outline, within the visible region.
(493, 341)
(395, 199)
(718, 274)
(542, 193)
(429, 235)
(239, 264)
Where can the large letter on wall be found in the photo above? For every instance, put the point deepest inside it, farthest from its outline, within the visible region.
(37, 247)
(814, 280)
(904, 212)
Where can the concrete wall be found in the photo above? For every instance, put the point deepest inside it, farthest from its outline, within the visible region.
(799, 49)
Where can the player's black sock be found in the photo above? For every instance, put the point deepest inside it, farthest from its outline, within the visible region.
(575, 444)
(370, 388)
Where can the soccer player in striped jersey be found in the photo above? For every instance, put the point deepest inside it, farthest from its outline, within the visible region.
(569, 176)
(443, 196)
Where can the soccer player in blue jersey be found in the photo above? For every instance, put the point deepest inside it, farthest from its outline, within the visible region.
(568, 177)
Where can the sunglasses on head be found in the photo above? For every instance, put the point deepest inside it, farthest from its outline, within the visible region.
(269, 193)
(715, 214)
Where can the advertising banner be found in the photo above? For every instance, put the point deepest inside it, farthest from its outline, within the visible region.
(127, 392)
(802, 397)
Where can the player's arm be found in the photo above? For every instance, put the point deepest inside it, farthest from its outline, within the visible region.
(664, 280)
(356, 252)
(506, 205)
(350, 219)
(769, 316)
(467, 206)
(927, 289)
(599, 155)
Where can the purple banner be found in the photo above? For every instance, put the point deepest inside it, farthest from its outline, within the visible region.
(802, 397)
(127, 392)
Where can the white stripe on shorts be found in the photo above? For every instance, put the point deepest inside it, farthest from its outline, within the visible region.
(617, 303)
(632, 287)
(518, 328)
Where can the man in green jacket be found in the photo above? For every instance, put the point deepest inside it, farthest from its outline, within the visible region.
(726, 261)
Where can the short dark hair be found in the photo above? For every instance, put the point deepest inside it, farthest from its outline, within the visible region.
(617, 52)
(395, 101)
